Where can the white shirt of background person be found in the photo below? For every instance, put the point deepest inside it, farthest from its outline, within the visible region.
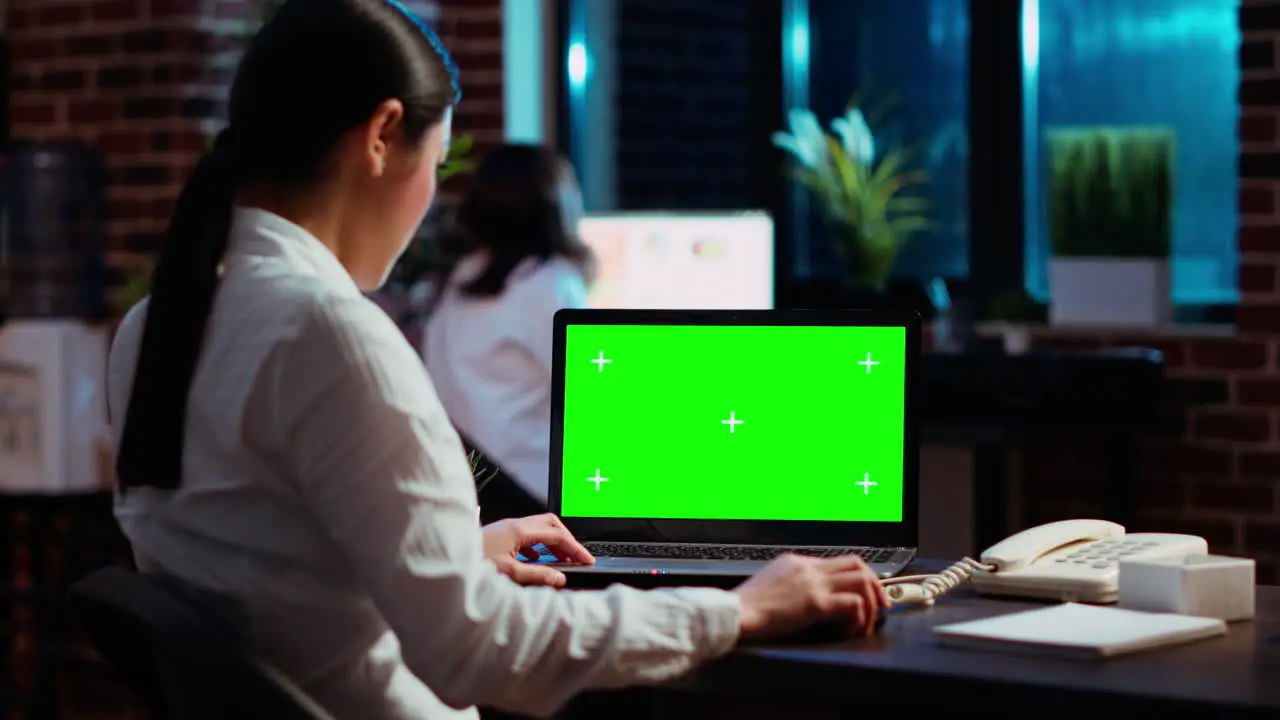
(490, 360)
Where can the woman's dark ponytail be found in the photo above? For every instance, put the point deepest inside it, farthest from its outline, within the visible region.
(183, 287)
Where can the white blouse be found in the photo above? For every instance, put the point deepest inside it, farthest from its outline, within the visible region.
(327, 503)
(490, 359)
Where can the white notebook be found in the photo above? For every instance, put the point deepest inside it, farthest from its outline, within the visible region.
(1076, 631)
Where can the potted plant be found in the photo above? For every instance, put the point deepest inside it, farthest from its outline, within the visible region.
(1110, 226)
(860, 192)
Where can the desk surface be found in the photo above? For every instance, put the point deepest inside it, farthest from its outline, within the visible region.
(1236, 675)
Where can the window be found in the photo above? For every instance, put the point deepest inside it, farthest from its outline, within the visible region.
(914, 54)
(1137, 62)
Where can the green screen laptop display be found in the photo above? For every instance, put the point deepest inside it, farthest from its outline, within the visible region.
(734, 422)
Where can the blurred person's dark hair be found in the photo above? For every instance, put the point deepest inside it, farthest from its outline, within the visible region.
(523, 201)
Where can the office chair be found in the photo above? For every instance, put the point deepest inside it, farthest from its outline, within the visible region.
(179, 662)
(501, 497)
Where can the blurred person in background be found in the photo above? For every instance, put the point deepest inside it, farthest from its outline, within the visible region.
(488, 341)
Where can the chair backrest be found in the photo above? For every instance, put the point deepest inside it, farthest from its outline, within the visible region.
(179, 662)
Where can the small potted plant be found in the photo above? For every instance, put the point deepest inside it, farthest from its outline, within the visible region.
(1110, 226)
(860, 192)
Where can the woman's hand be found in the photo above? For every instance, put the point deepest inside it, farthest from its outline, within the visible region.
(506, 539)
(794, 592)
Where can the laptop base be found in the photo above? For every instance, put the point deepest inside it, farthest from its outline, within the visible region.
(701, 568)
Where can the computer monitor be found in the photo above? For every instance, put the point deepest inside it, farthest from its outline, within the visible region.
(795, 427)
(680, 261)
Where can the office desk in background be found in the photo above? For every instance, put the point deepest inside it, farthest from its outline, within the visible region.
(1235, 676)
(993, 404)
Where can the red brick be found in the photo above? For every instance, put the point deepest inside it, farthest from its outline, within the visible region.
(1165, 494)
(1252, 498)
(1194, 460)
(475, 60)
(1259, 238)
(34, 49)
(123, 142)
(62, 15)
(21, 19)
(1262, 536)
(119, 10)
(93, 44)
(62, 80)
(1258, 392)
(1235, 425)
(1258, 318)
(92, 111)
(169, 9)
(193, 140)
(1257, 277)
(1257, 129)
(1259, 463)
(33, 113)
(1227, 354)
(1254, 200)
(128, 209)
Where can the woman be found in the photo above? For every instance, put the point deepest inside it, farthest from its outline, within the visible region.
(284, 457)
(488, 339)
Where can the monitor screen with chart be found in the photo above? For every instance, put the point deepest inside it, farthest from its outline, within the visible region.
(675, 261)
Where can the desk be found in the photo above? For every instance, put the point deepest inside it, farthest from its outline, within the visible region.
(1234, 676)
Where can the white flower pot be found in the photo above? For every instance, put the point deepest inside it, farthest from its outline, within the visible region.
(1110, 292)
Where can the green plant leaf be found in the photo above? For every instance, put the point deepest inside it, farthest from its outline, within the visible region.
(1110, 191)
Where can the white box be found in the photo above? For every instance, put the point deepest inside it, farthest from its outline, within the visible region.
(1110, 292)
(53, 418)
(1202, 585)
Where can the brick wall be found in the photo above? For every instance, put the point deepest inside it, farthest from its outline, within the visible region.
(683, 104)
(1217, 476)
(141, 81)
(144, 82)
(472, 30)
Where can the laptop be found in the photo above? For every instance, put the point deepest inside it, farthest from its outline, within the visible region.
(707, 442)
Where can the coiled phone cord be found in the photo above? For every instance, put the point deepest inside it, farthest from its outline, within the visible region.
(925, 589)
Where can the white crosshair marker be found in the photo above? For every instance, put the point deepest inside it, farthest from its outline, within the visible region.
(866, 484)
(733, 422)
(597, 479)
(600, 362)
(868, 363)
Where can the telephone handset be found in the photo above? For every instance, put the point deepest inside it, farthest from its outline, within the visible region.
(1069, 560)
(1019, 551)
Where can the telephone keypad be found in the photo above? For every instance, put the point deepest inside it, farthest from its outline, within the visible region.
(1105, 554)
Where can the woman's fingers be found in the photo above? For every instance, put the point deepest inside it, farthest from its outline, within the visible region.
(527, 574)
(862, 589)
(575, 550)
(558, 540)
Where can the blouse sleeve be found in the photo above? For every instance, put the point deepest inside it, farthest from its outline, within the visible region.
(382, 469)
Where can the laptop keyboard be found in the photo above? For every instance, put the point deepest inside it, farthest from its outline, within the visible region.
(729, 552)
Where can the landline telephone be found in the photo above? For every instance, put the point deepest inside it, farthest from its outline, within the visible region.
(1069, 560)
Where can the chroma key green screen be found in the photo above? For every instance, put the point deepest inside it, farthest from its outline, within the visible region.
(734, 422)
